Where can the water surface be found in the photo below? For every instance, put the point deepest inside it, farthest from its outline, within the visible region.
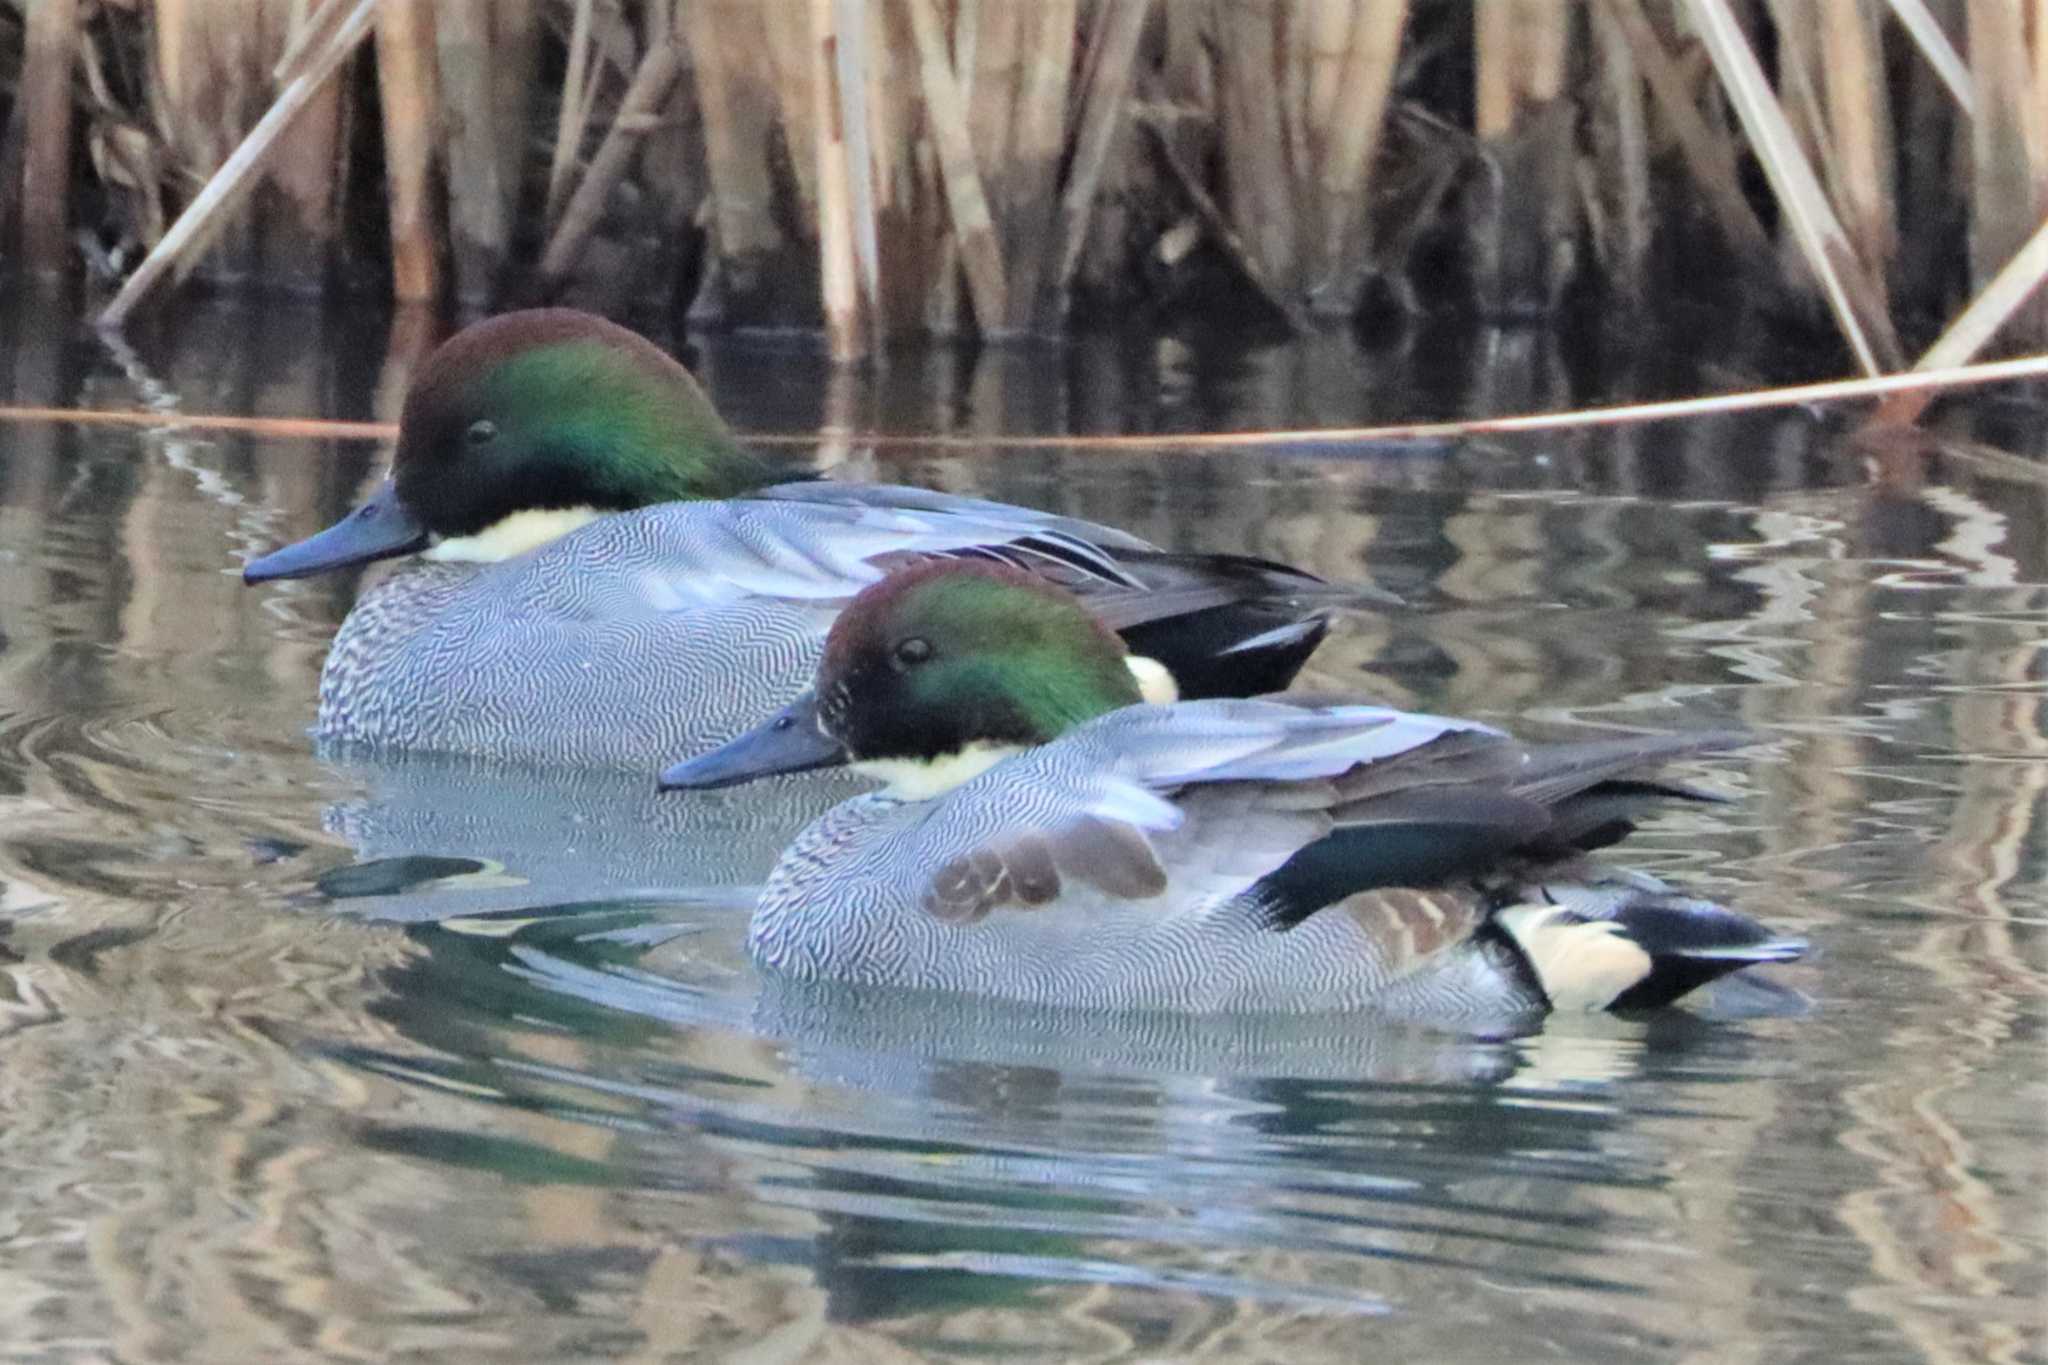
(269, 1097)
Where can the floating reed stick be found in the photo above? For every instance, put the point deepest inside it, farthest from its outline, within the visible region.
(51, 54)
(1345, 439)
(238, 174)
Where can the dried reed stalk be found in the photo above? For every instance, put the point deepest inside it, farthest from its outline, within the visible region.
(850, 89)
(1859, 124)
(1254, 141)
(1108, 85)
(1850, 293)
(479, 202)
(1222, 235)
(725, 40)
(1040, 140)
(671, 167)
(1928, 35)
(790, 51)
(1523, 227)
(212, 81)
(1519, 49)
(636, 116)
(1708, 156)
(2008, 189)
(406, 93)
(44, 111)
(981, 253)
(837, 279)
(1346, 133)
(299, 222)
(238, 174)
(997, 61)
(579, 84)
(1625, 153)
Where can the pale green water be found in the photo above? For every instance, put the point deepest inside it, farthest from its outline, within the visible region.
(246, 1120)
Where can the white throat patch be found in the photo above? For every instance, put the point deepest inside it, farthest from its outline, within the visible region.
(912, 779)
(513, 535)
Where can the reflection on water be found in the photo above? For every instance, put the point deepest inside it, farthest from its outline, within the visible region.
(313, 1057)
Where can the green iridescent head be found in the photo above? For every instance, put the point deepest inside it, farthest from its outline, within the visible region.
(554, 408)
(953, 654)
(544, 411)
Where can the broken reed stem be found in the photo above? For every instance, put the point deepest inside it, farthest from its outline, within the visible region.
(637, 114)
(44, 108)
(981, 254)
(239, 173)
(2007, 293)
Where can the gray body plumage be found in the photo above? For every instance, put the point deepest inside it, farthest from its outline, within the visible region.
(1224, 792)
(649, 635)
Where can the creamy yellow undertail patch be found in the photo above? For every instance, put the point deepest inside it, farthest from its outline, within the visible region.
(1582, 965)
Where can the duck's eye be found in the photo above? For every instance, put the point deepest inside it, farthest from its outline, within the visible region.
(481, 432)
(914, 650)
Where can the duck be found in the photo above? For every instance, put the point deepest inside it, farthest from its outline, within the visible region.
(1044, 833)
(583, 540)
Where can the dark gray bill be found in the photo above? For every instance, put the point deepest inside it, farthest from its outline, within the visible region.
(380, 528)
(787, 742)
